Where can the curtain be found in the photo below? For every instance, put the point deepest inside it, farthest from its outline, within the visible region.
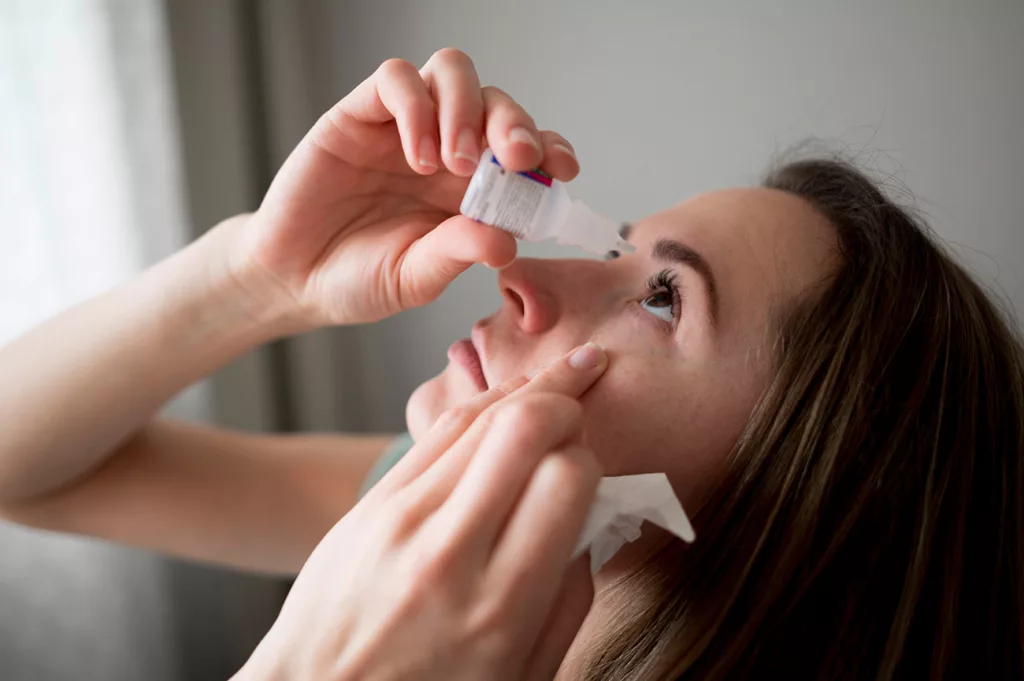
(92, 188)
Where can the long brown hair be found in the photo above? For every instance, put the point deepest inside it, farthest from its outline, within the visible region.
(870, 523)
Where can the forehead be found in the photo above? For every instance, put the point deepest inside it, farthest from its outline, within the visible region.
(765, 246)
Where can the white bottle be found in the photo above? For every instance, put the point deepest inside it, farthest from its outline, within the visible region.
(532, 206)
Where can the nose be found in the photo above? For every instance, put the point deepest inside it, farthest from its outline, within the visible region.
(533, 305)
(543, 293)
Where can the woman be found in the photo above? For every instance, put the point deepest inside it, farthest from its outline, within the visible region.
(838, 402)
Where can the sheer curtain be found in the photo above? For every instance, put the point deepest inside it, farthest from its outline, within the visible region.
(89, 172)
(90, 192)
(64, 180)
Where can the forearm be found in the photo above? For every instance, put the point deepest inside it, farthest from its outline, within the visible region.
(248, 501)
(79, 385)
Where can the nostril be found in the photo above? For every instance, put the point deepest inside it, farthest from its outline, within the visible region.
(516, 300)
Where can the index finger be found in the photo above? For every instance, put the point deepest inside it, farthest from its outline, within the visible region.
(451, 425)
(396, 91)
(432, 471)
(563, 376)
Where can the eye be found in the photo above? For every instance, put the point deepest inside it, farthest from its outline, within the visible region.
(662, 300)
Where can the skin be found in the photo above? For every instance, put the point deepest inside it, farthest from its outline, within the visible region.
(677, 393)
(360, 223)
(440, 573)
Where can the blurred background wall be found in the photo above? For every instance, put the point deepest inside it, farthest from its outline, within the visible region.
(128, 127)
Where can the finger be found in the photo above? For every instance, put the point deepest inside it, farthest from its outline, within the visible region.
(396, 91)
(523, 431)
(452, 425)
(434, 260)
(539, 537)
(572, 375)
(559, 157)
(431, 471)
(511, 132)
(570, 609)
(455, 87)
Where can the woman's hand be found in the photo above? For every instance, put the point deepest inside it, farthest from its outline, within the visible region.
(361, 221)
(457, 564)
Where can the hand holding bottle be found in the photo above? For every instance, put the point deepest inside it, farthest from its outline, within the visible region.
(362, 220)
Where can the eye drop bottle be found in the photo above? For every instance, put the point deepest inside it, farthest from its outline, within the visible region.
(532, 206)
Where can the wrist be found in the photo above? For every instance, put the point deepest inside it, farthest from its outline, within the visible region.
(233, 294)
(194, 308)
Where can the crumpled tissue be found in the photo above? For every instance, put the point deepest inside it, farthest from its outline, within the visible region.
(622, 504)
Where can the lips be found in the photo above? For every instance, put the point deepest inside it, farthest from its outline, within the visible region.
(465, 355)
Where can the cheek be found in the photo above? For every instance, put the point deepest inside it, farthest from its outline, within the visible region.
(641, 420)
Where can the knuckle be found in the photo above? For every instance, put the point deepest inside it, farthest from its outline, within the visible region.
(433, 565)
(565, 408)
(452, 56)
(488, 627)
(396, 68)
(567, 470)
(572, 473)
(555, 138)
(402, 518)
(586, 470)
(586, 462)
(486, 616)
(529, 413)
(455, 418)
(494, 90)
(421, 585)
(486, 418)
(522, 412)
(510, 386)
(429, 574)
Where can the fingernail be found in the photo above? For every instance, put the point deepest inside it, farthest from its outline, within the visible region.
(428, 152)
(523, 136)
(587, 357)
(566, 149)
(466, 147)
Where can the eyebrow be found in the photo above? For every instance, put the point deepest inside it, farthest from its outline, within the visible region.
(674, 251)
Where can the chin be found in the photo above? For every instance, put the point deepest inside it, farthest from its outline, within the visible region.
(420, 411)
(434, 397)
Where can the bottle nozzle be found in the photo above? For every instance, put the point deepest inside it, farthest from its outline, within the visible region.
(623, 246)
(592, 231)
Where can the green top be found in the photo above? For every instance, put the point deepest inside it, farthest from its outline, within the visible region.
(394, 452)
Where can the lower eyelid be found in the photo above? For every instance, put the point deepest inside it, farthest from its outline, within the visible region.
(645, 317)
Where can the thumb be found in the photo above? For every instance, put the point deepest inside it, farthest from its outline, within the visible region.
(434, 260)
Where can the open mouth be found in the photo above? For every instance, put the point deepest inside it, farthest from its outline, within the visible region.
(464, 353)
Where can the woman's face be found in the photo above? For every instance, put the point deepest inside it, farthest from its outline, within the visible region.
(685, 321)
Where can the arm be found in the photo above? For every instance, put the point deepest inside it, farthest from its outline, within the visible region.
(255, 502)
(77, 454)
(77, 387)
(360, 223)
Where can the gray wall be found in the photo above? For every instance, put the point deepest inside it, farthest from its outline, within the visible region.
(663, 100)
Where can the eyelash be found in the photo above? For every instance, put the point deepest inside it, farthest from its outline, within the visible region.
(665, 282)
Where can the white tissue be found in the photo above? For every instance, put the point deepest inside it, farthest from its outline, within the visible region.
(622, 504)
